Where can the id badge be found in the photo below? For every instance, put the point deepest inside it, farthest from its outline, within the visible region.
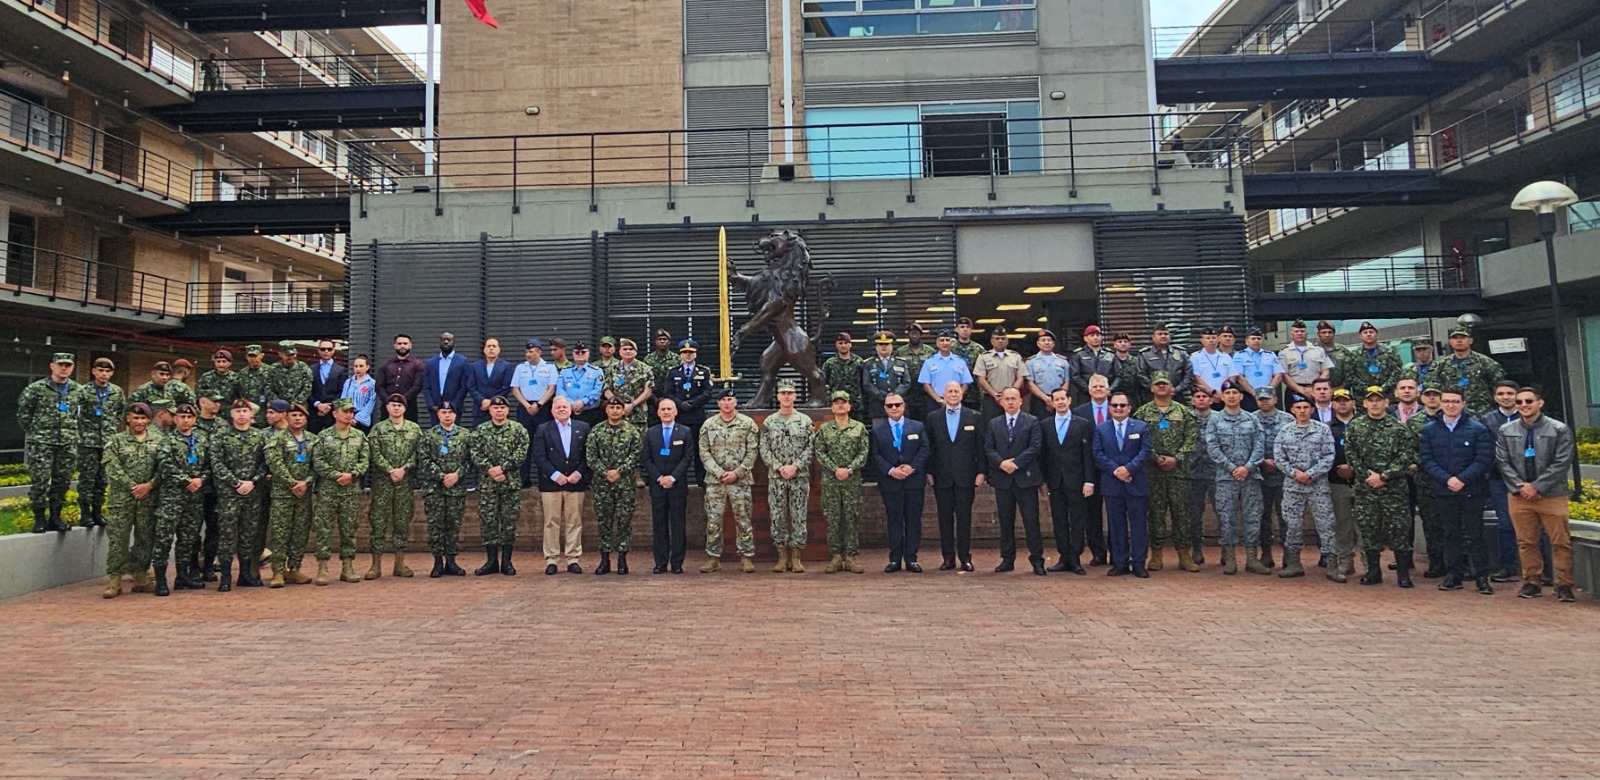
(193, 459)
(1302, 366)
(1163, 425)
(1462, 382)
(1372, 369)
(97, 412)
(1216, 375)
(666, 451)
(883, 374)
(62, 407)
(443, 450)
(1529, 453)
(299, 457)
(688, 385)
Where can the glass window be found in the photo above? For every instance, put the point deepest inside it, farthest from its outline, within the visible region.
(839, 19)
(1591, 364)
(889, 146)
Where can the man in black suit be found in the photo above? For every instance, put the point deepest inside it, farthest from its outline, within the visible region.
(900, 451)
(488, 378)
(327, 384)
(1069, 471)
(1122, 448)
(955, 469)
(689, 386)
(1096, 411)
(1013, 446)
(564, 474)
(665, 457)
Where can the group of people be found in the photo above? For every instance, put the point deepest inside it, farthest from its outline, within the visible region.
(1127, 447)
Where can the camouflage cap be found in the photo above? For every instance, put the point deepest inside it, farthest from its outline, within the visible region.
(786, 386)
(1422, 342)
(64, 357)
(288, 347)
(837, 396)
(214, 395)
(1460, 330)
(1266, 392)
(607, 341)
(1160, 378)
(1432, 390)
(163, 405)
(253, 349)
(344, 404)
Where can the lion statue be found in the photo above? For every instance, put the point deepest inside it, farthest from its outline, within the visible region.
(772, 296)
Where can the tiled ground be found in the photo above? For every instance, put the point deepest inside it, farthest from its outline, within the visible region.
(1182, 675)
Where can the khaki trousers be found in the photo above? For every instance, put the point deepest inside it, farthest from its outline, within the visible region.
(563, 525)
(1548, 513)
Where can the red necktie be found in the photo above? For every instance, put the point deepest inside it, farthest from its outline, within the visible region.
(1099, 414)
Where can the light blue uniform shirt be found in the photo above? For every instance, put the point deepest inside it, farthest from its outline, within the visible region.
(1257, 368)
(581, 383)
(534, 380)
(1050, 372)
(939, 369)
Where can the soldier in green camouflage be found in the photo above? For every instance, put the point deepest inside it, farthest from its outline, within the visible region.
(162, 412)
(662, 360)
(1371, 363)
(608, 353)
(785, 445)
(48, 414)
(1381, 451)
(183, 478)
(1338, 354)
(1421, 487)
(161, 387)
(969, 351)
(339, 458)
(101, 407)
(841, 445)
(842, 372)
(1174, 432)
(632, 382)
(288, 455)
(1474, 373)
(290, 380)
(914, 353)
(728, 445)
(885, 375)
(442, 469)
(498, 450)
(612, 451)
(393, 460)
(130, 466)
(236, 468)
(221, 381)
(252, 381)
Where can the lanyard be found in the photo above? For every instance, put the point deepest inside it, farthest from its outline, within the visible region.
(189, 440)
(446, 436)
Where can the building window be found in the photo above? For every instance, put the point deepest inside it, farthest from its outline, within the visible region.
(22, 232)
(873, 18)
(946, 139)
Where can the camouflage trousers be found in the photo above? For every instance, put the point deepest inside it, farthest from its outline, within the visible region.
(1169, 510)
(389, 513)
(841, 506)
(50, 471)
(91, 481)
(1318, 500)
(126, 516)
(613, 509)
(178, 516)
(720, 497)
(290, 528)
(1384, 516)
(238, 525)
(1238, 511)
(786, 506)
(1422, 498)
(342, 509)
(499, 507)
(444, 512)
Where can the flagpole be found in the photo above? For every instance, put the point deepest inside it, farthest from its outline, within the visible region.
(427, 99)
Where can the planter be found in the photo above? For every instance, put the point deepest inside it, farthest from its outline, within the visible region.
(1585, 555)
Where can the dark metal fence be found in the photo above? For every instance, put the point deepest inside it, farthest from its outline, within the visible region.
(1367, 274)
(265, 297)
(333, 70)
(29, 269)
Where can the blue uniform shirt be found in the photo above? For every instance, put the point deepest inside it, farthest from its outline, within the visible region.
(939, 369)
(533, 380)
(581, 383)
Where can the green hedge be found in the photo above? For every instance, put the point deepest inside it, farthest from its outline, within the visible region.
(17, 518)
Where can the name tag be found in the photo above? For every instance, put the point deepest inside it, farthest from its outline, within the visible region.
(913, 436)
(299, 457)
(1163, 425)
(967, 428)
(1133, 436)
(1528, 453)
(677, 443)
(1302, 366)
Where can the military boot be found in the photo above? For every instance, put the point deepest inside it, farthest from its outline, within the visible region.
(605, 564)
(1253, 562)
(1374, 573)
(55, 521)
(451, 569)
(505, 561)
(622, 563)
(1347, 564)
(400, 568)
(711, 565)
(794, 561)
(492, 565)
(224, 575)
(1186, 560)
(1402, 575)
(322, 573)
(142, 583)
(161, 582)
(1291, 565)
(438, 567)
(347, 571)
(746, 565)
(277, 579)
(1157, 559)
(294, 577)
(783, 561)
(1228, 564)
(113, 585)
(376, 570)
(40, 526)
(1336, 574)
(1266, 556)
(853, 565)
(835, 565)
(180, 576)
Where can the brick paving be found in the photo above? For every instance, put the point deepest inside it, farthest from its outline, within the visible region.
(764, 675)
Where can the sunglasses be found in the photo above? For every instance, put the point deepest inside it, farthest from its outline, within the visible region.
(893, 406)
(1526, 401)
(324, 349)
(1118, 406)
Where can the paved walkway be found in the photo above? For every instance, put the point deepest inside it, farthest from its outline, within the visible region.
(1182, 675)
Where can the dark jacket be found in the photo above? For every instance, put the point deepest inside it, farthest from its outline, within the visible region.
(1086, 411)
(957, 463)
(913, 451)
(1069, 464)
(1023, 445)
(1553, 450)
(692, 395)
(329, 391)
(403, 376)
(674, 463)
(1134, 454)
(483, 384)
(1466, 453)
(455, 382)
(548, 457)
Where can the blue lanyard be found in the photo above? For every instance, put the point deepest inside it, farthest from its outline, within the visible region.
(189, 440)
(445, 436)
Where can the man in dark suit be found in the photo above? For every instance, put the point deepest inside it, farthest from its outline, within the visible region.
(564, 474)
(955, 469)
(1096, 411)
(327, 384)
(1013, 444)
(1122, 448)
(665, 457)
(689, 385)
(1069, 473)
(900, 451)
(445, 376)
(488, 378)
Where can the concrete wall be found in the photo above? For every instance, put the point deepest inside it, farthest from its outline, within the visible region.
(1525, 269)
(1039, 247)
(34, 562)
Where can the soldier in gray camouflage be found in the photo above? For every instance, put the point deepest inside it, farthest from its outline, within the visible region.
(130, 467)
(1272, 420)
(612, 451)
(1303, 450)
(1233, 441)
(101, 407)
(786, 449)
(48, 414)
(728, 445)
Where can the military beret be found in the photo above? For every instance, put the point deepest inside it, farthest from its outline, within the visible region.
(1228, 329)
(688, 345)
(786, 386)
(612, 400)
(1460, 330)
(278, 405)
(1342, 395)
(1374, 390)
(1366, 326)
(301, 408)
(241, 403)
(662, 332)
(1295, 398)
(558, 342)
(627, 343)
(182, 363)
(395, 398)
(344, 405)
(837, 396)
(222, 354)
(1252, 332)
(253, 349)
(726, 392)
(843, 336)
(1160, 378)
(1091, 329)
(499, 400)
(448, 406)
(1047, 333)
(1298, 324)
(883, 337)
(1201, 391)
(186, 409)
(607, 341)
(946, 333)
(534, 344)
(1325, 325)
(64, 357)
(580, 347)
(916, 326)
(162, 365)
(289, 347)
(104, 363)
(163, 405)
(1230, 385)
(1266, 392)
(140, 408)
(963, 320)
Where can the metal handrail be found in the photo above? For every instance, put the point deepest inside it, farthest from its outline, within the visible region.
(1446, 18)
(34, 128)
(59, 276)
(1369, 274)
(1373, 153)
(125, 36)
(1572, 94)
(205, 298)
(1286, 38)
(239, 184)
(334, 70)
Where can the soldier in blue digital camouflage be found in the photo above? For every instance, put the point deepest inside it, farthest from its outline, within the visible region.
(1233, 441)
(48, 414)
(1303, 450)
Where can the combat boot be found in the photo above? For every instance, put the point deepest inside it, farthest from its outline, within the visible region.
(492, 565)
(347, 571)
(277, 579)
(505, 561)
(376, 570)
(605, 564)
(711, 565)
(438, 567)
(294, 577)
(322, 573)
(1374, 573)
(1402, 575)
(451, 569)
(224, 575)
(1157, 559)
(1291, 565)
(794, 561)
(852, 565)
(746, 565)
(622, 563)
(55, 521)
(835, 565)
(161, 582)
(1266, 556)
(1186, 561)
(1347, 564)
(1253, 562)
(1336, 574)
(142, 583)
(40, 526)
(783, 561)
(1228, 564)
(113, 585)
(400, 568)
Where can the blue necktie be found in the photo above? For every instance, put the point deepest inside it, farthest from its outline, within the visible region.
(896, 428)
(1120, 439)
(1061, 429)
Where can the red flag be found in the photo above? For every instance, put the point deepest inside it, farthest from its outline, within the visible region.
(481, 11)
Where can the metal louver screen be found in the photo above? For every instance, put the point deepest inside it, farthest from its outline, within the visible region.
(724, 27)
(1188, 271)
(725, 155)
(1017, 88)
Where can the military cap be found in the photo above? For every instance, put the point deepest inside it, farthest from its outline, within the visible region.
(499, 400)
(786, 386)
(838, 395)
(1422, 342)
(289, 347)
(726, 392)
(299, 407)
(1325, 325)
(626, 342)
(612, 400)
(212, 396)
(1341, 395)
(395, 398)
(1298, 324)
(162, 365)
(1296, 398)
(883, 337)
(998, 330)
(344, 404)
(534, 344)
(1460, 330)
(1230, 385)
(843, 336)
(1046, 332)
(688, 345)
(946, 333)
(164, 405)
(580, 347)
(662, 332)
(1160, 378)
(253, 349)
(963, 320)
(607, 341)
(1366, 326)
(278, 405)
(1228, 329)
(1252, 332)
(1161, 326)
(1209, 332)
(916, 326)
(140, 408)
(1091, 329)
(1374, 390)
(1266, 392)
(104, 363)
(448, 406)
(1432, 389)
(222, 354)
(64, 357)
(186, 409)
(182, 363)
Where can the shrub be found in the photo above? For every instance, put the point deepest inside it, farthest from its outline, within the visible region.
(1589, 453)
(16, 516)
(1588, 435)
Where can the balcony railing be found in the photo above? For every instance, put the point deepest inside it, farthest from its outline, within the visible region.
(124, 36)
(1447, 18)
(1365, 274)
(236, 184)
(1284, 38)
(334, 70)
(266, 297)
(1568, 97)
(29, 269)
(34, 128)
(1383, 153)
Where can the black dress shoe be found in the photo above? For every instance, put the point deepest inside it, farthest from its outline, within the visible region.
(914, 567)
(1118, 571)
(1077, 569)
(1098, 560)
(1005, 566)
(948, 564)
(659, 569)
(1061, 564)
(678, 569)
(893, 567)
(967, 566)
(1141, 572)
(1038, 568)
(1451, 582)
(550, 569)
(574, 568)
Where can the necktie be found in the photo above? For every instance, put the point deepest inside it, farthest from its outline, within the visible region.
(896, 428)
(1119, 436)
(1099, 415)
(1011, 426)
(666, 435)
(1061, 429)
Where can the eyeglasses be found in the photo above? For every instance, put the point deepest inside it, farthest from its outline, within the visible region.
(1119, 406)
(1526, 401)
(324, 349)
(893, 406)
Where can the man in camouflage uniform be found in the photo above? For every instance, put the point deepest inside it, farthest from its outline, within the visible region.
(1174, 433)
(969, 351)
(162, 412)
(1124, 366)
(842, 373)
(1338, 354)
(1162, 356)
(608, 353)
(914, 352)
(393, 461)
(100, 406)
(662, 360)
(1474, 373)
(160, 387)
(290, 380)
(1272, 419)
(442, 469)
(1422, 349)
(1410, 410)
(498, 450)
(48, 415)
(339, 457)
(130, 467)
(1371, 363)
(1202, 475)
(236, 468)
(183, 474)
(288, 455)
(252, 382)
(204, 555)
(612, 451)
(1233, 440)
(1381, 451)
(631, 382)
(1303, 452)
(728, 444)
(221, 380)
(786, 449)
(841, 445)
(884, 374)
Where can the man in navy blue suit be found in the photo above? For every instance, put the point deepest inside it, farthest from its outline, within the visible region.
(1013, 445)
(665, 458)
(1122, 449)
(488, 378)
(445, 376)
(900, 451)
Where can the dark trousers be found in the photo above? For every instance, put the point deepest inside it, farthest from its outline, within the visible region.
(1271, 504)
(319, 422)
(904, 510)
(1007, 502)
(955, 521)
(1200, 492)
(697, 470)
(990, 408)
(668, 524)
(1462, 517)
(1094, 526)
(208, 527)
(1067, 511)
(1127, 522)
(531, 422)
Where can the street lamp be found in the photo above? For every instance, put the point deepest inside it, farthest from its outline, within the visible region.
(1545, 197)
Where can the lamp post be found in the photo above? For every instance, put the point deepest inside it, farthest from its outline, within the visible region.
(1545, 197)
